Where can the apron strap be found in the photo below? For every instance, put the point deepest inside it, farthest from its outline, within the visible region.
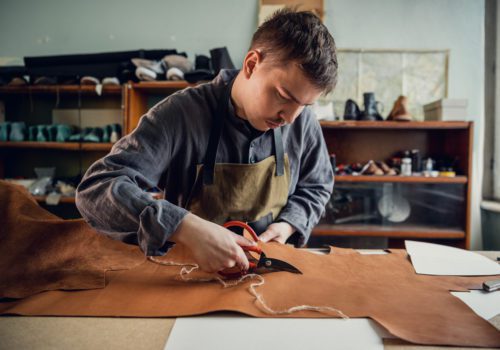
(279, 152)
(215, 133)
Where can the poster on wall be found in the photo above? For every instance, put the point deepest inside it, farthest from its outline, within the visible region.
(422, 76)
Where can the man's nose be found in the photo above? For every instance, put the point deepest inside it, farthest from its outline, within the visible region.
(290, 114)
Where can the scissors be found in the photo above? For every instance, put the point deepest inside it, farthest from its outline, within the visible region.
(258, 261)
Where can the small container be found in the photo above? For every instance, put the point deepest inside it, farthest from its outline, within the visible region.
(429, 164)
(406, 166)
(446, 109)
(429, 167)
(416, 162)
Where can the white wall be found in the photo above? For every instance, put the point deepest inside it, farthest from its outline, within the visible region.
(46, 27)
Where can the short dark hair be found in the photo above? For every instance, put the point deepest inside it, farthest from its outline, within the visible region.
(300, 36)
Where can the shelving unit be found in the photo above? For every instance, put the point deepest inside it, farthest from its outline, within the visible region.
(361, 141)
(34, 105)
(351, 141)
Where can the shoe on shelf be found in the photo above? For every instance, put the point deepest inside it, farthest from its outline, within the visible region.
(95, 135)
(64, 131)
(32, 131)
(220, 59)
(400, 111)
(52, 132)
(88, 80)
(4, 131)
(116, 133)
(42, 134)
(351, 110)
(106, 133)
(145, 74)
(386, 169)
(203, 70)
(371, 112)
(110, 81)
(178, 61)
(371, 168)
(175, 73)
(158, 67)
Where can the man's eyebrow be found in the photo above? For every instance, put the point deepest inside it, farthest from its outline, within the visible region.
(294, 98)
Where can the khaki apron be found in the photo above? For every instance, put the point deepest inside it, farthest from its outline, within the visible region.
(253, 193)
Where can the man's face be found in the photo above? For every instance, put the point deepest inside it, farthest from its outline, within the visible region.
(274, 95)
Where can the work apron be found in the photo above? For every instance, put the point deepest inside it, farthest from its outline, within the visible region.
(253, 193)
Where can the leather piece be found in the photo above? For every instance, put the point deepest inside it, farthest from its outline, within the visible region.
(413, 307)
(39, 251)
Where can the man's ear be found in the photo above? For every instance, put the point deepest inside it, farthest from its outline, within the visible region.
(252, 59)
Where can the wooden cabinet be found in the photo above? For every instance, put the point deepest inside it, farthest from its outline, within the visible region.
(439, 207)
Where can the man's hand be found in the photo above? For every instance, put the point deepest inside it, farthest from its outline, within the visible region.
(278, 231)
(214, 247)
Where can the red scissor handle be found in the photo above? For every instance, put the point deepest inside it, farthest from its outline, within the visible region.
(232, 273)
(242, 225)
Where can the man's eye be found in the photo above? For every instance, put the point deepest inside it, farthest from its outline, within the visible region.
(281, 97)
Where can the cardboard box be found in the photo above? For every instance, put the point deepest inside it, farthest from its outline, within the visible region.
(446, 109)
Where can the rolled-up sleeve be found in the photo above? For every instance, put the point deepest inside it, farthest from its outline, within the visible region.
(111, 196)
(314, 186)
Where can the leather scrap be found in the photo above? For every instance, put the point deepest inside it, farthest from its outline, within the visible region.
(40, 252)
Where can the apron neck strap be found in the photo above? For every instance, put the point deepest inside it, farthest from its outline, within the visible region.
(279, 151)
(215, 135)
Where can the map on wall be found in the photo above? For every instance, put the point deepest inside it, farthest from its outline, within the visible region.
(419, 75)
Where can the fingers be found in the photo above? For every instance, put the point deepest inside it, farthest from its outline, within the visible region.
(242, 261)
(268, 235)
(242, 241)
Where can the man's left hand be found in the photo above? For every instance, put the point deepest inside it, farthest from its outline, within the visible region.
(278, 231)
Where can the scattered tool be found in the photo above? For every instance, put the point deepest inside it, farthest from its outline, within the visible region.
(491, 286)
(259, 262)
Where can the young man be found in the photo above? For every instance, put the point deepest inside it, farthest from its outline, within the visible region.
(242, 147)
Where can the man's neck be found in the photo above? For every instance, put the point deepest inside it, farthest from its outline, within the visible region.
(236, 96)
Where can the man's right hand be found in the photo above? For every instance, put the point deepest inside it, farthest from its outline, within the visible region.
(214, 247)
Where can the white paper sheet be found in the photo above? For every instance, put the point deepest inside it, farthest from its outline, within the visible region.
(249, 333)
(486, 305)
(436, 259)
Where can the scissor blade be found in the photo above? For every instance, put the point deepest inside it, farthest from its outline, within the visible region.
(275, 265)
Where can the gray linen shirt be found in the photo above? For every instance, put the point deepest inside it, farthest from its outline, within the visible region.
(163, 151)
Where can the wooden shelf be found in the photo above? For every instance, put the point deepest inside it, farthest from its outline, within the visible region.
(161, 86)
(402, 179)
(101, 146)
(62, 89)
(394, 125)
(401, 231)
(70, 200)
(68, 146)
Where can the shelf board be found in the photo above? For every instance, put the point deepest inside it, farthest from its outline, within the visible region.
(68, 146)
(41, 199)
(101, 146)
(394, 125)
(403, 179)
(400, 231)
(62, 89)
(161, 86)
